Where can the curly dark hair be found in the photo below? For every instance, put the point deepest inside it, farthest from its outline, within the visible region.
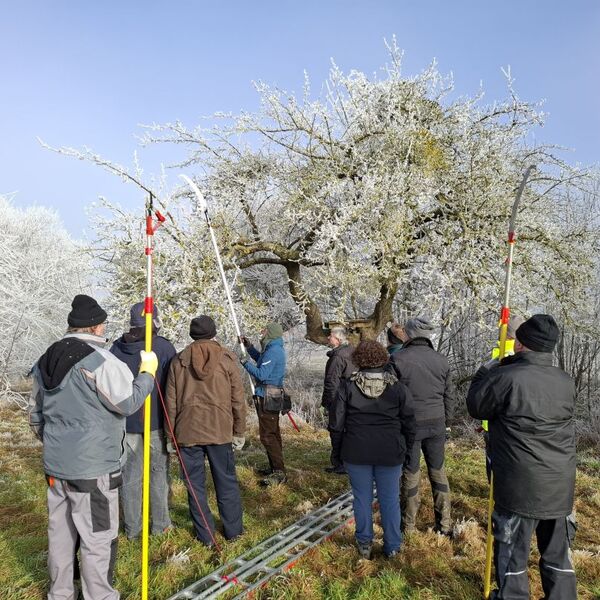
(370, 355)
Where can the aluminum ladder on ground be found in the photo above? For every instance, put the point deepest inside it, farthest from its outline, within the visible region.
(276, 554)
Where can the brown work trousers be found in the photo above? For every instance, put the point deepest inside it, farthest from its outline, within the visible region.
(270, 435)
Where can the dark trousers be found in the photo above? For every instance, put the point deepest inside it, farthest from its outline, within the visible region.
(222, 468)
(333, 457)
(270, 436)
(512, 540)
(433, 450)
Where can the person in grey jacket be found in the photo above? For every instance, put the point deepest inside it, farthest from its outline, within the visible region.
(81, 396)
(529, 405)
(339, 367)
(426, 373)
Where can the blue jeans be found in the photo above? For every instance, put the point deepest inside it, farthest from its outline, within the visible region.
(131, 492)
(222, 468)
(387, 481)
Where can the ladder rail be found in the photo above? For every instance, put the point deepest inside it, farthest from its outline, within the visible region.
(292, 560)
(279, 545)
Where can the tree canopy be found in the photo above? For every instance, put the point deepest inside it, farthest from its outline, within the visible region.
(380, 192)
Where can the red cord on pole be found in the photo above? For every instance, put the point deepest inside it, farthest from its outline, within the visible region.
(504, 314)
(183, 468)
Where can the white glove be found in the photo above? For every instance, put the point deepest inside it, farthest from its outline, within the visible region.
(149, 363)
(238, 442)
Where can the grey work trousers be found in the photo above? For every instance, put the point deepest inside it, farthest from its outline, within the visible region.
(512, 541)
(433, 451)
(84, 510)
(131, 493)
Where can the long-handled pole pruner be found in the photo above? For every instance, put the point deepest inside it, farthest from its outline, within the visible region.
(151, 227)
(503, 328)
(203, 206)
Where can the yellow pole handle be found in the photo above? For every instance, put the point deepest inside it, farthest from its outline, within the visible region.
(146, 472)
(489, 544)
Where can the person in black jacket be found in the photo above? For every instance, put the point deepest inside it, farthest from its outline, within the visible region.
(372, 426)
(339, 366)
(529, 405)
(127, 348)
(426, 373)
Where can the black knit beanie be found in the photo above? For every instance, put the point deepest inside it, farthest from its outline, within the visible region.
(203, 328)
(539, 333)
(86, 312)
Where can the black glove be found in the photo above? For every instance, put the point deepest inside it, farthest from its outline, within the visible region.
(244, 340)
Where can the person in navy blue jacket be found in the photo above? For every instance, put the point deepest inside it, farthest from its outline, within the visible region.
(127, 348)
(268, 371)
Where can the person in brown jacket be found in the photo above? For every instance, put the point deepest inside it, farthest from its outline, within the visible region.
(205, 405)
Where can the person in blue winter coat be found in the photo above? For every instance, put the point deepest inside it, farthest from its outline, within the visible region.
(127, 348)
(269, 373)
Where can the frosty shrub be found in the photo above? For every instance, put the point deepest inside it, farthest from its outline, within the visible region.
(41, 269)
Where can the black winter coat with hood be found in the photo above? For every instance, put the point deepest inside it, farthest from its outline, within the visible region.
(373, 421)
(529, 405)
(426, 373)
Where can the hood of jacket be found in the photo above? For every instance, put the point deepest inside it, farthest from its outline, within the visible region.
(61, 356)
(130, 345)
(420, 341)
(202, 358)
(372, 383)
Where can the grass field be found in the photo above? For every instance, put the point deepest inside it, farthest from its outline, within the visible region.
(429, 567)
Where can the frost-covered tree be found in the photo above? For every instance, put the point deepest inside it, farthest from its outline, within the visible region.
(379, 190)
(41, 269)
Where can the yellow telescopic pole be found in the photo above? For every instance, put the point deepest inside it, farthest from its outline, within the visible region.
(504, 318)
(148, 310)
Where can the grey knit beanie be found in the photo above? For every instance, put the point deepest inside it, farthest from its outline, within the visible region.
(419, 327)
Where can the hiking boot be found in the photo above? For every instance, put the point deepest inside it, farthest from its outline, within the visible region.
(275, 478)
(364, 549)
(392, 553)
(264, 471)
(445, 532)
(338, 470)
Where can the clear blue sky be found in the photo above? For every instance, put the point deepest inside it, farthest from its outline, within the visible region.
(87, 73)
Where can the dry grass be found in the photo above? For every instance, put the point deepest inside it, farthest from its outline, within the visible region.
(429, 566)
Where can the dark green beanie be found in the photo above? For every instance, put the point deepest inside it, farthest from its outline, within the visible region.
(274, 331)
